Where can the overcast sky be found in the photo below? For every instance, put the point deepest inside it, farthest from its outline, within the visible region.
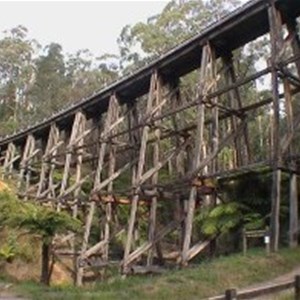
(77, 25)
(93, 25)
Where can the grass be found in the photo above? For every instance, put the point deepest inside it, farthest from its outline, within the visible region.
(207, 279)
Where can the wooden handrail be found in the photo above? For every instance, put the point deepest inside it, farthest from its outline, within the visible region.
(233, 294)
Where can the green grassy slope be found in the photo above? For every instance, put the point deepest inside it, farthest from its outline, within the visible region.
(208, 279)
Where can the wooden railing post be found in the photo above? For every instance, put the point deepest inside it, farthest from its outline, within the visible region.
(230, 294)
(297, 287)
(244, 242)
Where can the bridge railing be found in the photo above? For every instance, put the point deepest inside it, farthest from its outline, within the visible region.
(267, 290)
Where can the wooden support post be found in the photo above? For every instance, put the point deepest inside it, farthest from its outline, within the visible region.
(210, 200)
(177, 123)
(242, 150)
(267, 240)
(23, 164)
(67, 164)
(244, 241)
(28, 163)
(79, 160)
(48, 165)
(292, 28)
(294, 218)
(134, 136)
(275, 30)
(111, 170)
(156, 152)
(139, 173)
(27, 155)
(215, 117)
(8, 161)
(109, 125)
(202, 90)
(76, 141)
(135, 140)
(297, 287)
(293, 196)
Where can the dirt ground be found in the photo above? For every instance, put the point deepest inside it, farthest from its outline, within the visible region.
(7, 294)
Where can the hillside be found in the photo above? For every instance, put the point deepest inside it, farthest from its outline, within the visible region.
(207, 279)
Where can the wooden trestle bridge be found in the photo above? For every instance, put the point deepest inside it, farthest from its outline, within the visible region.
(141, 125)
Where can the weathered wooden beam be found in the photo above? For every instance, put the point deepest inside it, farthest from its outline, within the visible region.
(49, 163)
(156, 153)
(9, 160)
(27, 155)
(275, 32)
(79, 118)
(96, 248)
(139, 172)
(111, 170)
(149, 244)
(110, 125)
(202, 90)
(78, 183)
(292, 28)
(242, 148)
(196, 249)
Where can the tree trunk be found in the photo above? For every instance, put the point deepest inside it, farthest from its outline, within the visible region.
(45, 263)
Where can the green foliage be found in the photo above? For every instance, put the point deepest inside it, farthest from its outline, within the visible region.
(9, 249)
(50, 82)
(34, 218)
(34, 84)
(44, 221)
(220, 219)
(177, 22)
(8, 204)
(253, 221)
(16, 73)
(228, 216)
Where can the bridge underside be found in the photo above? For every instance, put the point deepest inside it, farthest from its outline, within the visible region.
(150, 149)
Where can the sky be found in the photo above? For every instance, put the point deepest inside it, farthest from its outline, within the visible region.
(77, 25)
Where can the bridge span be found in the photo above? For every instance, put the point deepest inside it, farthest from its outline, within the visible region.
(151, 148)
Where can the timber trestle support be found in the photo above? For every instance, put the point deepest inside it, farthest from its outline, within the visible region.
(140, 161)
